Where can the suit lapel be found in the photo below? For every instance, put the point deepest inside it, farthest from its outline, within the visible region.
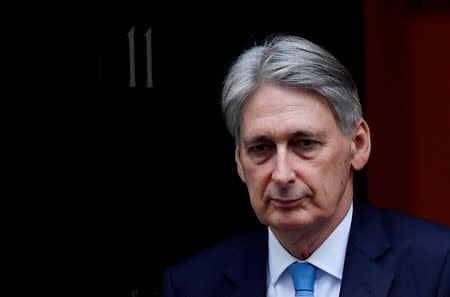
(364, 275)
(246, 272)
(248, 291)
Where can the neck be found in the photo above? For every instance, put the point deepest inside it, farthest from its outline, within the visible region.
(304, 241)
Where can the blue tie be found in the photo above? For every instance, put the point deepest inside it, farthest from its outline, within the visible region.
(302, 275)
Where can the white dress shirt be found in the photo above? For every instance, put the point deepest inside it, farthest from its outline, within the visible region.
(328, 260)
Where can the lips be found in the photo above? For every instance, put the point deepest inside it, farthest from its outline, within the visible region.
(285, 203)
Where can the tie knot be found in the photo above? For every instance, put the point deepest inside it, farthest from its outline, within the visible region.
(302, 275)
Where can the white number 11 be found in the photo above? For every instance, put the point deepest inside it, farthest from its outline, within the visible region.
(132, 54)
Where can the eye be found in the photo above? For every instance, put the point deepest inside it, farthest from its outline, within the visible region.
(260, 151)
(260, 148)
(307, 143)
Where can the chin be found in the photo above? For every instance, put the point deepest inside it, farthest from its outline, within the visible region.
(283, 222)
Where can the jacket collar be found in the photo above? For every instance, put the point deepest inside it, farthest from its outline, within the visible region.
(368, 244)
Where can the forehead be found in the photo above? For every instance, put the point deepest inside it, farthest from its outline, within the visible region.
(280, 109)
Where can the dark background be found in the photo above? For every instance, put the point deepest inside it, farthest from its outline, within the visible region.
(116, 183)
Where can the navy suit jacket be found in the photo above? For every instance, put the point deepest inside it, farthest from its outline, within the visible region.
(388, 254)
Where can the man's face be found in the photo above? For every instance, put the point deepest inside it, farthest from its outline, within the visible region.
(294, 159)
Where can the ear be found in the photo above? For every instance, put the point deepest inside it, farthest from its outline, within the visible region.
(360, 145)
(238, 158)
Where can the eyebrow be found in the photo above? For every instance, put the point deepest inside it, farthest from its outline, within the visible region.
(256, 139)
(297, 134)
(307, 134)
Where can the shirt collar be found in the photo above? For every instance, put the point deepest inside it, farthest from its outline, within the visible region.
(329, 256)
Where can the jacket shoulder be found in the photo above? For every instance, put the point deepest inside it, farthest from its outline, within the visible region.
(409, 229)
(203, 271)
(219, 254)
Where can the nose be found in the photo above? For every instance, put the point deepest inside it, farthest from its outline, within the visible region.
(283, 174)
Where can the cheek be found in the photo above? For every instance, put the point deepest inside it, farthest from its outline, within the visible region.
(255, 183)
(257, 179)
(330, 176)
(336, 175)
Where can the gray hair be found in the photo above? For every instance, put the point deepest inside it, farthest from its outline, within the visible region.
(294, 62)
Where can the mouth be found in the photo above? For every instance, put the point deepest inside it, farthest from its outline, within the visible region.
(285, 203)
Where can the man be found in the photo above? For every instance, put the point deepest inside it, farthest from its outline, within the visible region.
(294, 112)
